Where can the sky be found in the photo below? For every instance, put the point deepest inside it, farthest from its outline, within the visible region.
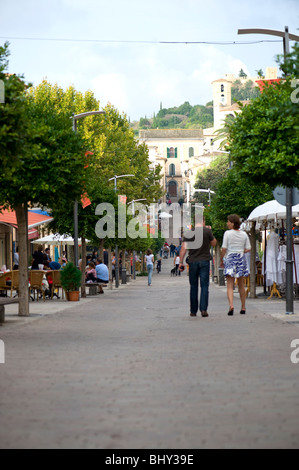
(137, 54)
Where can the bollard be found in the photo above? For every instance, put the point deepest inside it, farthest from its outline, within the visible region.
(2, 314)
(124, 276)
(221, 277)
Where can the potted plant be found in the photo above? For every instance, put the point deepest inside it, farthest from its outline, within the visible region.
(70, 278)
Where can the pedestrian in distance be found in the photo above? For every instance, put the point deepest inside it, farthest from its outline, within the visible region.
(47, 254)
(176, 265)
(159, 262)
(113, 261)
(199, 266)
(235, 244)
(16, 259)
(149, 260)
(38, 258)
(172, 249)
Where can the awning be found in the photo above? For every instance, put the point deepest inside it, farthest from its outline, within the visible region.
(8, 217)
(33, 234)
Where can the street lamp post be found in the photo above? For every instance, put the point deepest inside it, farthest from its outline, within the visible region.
(134, 252)
(289, 191)
(205, 191)
(75, 117)
(115, 178)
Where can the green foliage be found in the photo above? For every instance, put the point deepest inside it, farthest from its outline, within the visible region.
(235, 195)
(290, 65)
(70, 277)
(260, 73)
(42, 159)
(15, 131)
(242, 74)
(264, 138)
(114, 152)
(210, 178)
(183, 116)
(4, 54)
(244, 91)
(222, 133)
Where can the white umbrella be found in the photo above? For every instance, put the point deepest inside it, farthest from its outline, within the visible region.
(271, 210)
(56, 239)
(165, 215)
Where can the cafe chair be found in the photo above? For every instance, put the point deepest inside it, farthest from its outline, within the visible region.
(54, 282)
(36, 282)
(6, 282)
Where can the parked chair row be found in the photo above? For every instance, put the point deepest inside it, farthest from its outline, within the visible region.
(9, 282)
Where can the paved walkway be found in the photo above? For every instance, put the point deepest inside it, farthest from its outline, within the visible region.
(131, 369)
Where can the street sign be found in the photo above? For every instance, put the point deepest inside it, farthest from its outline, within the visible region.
(279, 194)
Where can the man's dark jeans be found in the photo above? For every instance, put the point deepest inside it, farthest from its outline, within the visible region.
(199, 270)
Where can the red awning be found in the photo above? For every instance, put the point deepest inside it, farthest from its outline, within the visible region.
(8, 217)
(33, 234)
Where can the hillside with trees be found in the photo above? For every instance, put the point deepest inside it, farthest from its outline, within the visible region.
(184, 116)
(198, 116)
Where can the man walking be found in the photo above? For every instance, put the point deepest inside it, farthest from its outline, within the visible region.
(199, 266)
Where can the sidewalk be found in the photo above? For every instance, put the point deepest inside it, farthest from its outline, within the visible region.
(131, 369)
(275, 307)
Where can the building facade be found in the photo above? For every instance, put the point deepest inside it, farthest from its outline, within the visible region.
(180, 153)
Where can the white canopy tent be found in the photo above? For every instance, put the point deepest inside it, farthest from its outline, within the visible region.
(271, 211)
(56, 239)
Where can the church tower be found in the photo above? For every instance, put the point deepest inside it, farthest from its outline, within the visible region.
(221, 98)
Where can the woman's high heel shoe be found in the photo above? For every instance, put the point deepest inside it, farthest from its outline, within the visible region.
(231, 311)
(242, 312)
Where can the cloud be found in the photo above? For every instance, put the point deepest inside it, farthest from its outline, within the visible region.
(112, 88)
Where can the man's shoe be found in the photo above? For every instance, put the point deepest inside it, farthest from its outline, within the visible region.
(204, 313)
(192, 314)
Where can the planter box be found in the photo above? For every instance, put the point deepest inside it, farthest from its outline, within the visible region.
(73, 296)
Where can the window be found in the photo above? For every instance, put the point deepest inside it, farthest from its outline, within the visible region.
(172, 152)
(222, 88)
(191, 152)
(172, 169)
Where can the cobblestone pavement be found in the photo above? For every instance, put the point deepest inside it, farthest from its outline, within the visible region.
(131, 369)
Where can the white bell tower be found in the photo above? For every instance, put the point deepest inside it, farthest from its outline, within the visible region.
(221, 98)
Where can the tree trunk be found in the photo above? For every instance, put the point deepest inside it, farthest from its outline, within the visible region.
(21, 213)
(252, 262)
(70, 254)
(83, 266)
(101, 250)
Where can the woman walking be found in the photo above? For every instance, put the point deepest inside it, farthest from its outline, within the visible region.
(235, 244)
(149, 259)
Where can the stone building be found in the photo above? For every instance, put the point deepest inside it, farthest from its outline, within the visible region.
(180, 152)
(183, 152)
